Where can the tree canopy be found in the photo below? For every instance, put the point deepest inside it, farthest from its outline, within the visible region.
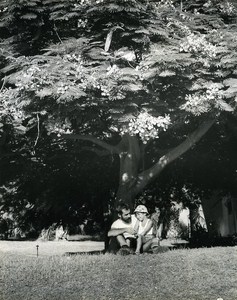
(144, 80)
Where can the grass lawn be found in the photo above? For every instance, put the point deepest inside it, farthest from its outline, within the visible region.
(196, 274)
(49, 248)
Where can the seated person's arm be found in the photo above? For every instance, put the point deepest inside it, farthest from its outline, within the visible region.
(159, 231)
(148, 228)
(136, 227)
(116, 232)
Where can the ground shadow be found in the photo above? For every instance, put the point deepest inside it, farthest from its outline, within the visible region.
(96, 252)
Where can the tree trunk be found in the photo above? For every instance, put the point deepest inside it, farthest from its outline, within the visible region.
(131, 182)
(129, 166)
(193, 216)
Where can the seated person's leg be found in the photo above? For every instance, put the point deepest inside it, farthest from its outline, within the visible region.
(147, 246)
(121, 240)
(149, 243)
(115, 243)
(139, 244)
(155, 243)
(132, 243)
(124, 245)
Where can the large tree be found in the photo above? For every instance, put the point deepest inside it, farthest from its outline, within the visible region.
(142, 80)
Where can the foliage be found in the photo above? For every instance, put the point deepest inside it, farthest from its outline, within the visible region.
(147, 126)
(48, 192)
(131, 78)
(133, 72)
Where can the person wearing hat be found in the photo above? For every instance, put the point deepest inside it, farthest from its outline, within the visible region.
(144, 229)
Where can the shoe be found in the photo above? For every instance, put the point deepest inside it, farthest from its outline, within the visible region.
(155, 249)
(124, 250)
(159, 249)
(155, 244)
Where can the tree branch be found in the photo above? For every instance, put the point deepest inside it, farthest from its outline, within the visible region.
(38, 130)
(3, 84)
(148, 175)
(112, 149)
(96, 151)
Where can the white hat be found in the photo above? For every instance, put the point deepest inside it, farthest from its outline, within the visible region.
(141, 208)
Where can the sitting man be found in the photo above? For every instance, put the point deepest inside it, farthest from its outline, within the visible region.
(122, 233)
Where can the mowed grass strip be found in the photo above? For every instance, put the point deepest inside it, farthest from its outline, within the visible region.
(196, 274)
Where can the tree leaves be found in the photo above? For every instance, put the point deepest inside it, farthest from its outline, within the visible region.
(167, 73)
(232, 82)
(224, 106)
(154, 57)
(45, 92)
(232, 90)
(29, 16)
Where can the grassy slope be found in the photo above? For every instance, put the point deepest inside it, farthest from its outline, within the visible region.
(195, 274)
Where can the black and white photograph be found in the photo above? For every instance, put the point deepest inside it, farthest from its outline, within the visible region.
(118, 150)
